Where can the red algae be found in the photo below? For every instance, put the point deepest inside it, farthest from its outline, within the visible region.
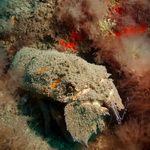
(132, 30)
(75, 36)
(68, 45)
